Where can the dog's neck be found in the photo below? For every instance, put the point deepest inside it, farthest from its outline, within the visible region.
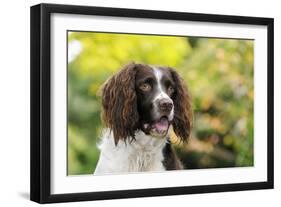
(146, 142)
(142, 154)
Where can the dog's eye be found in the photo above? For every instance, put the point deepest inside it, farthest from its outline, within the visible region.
(170, 90)
(145, 87)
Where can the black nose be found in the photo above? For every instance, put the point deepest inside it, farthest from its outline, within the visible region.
(165, 105)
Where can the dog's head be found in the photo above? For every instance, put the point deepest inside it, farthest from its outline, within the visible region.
(141, 97)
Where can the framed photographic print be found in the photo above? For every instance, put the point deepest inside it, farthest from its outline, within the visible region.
(133, 103)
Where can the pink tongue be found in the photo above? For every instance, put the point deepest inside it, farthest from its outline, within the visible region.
(162, 124)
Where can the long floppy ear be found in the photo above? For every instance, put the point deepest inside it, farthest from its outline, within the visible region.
(183, 114)
(119, 103)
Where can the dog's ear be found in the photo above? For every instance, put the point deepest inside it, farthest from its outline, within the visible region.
(183, 114)
(119, 103)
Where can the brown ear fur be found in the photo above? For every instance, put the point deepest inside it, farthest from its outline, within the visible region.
(119, 103)
(182, 108)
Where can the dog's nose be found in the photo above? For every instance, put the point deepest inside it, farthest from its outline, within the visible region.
(165, 105)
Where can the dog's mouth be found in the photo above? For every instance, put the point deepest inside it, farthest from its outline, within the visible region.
(158, 128)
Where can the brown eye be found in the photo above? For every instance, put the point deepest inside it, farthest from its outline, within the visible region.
(145, 87)
(170, 90)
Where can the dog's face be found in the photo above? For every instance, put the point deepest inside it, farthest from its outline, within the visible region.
(141, 97)
(155, 88)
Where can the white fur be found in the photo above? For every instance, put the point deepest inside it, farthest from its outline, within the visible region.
(158, 74)
(161, 93)
(143, 154)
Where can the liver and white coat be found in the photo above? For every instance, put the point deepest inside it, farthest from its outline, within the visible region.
(140, 104)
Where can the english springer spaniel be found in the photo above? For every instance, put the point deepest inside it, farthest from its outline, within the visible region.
(140, 103)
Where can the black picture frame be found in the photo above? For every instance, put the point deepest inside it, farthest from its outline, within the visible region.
(41, 102)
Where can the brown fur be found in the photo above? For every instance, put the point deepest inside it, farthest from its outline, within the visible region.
(119, 102)
(171, 161)
(120, 111)
(183, 110)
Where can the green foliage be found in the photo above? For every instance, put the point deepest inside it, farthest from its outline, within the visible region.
(220, 76)
(219, 73)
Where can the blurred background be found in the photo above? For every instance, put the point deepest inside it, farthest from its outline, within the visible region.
(218, 72)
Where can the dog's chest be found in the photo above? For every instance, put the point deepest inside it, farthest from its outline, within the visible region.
(143, 154)
(144, 159)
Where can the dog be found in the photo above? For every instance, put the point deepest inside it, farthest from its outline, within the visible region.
(140, 104)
